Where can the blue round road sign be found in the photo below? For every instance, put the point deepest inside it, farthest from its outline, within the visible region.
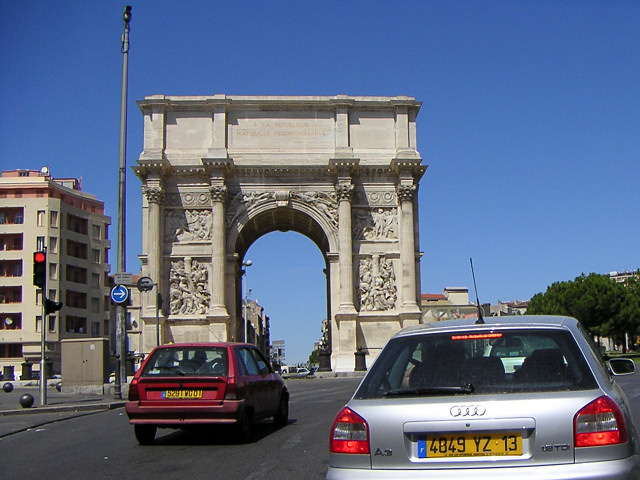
(119, 294)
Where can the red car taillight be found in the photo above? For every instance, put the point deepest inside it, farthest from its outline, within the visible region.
(349, 433)
(231, 392)
(599, 423)
(134, 395)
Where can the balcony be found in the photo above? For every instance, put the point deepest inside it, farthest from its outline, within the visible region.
(10, 268)
(9, 295)
(10, 243)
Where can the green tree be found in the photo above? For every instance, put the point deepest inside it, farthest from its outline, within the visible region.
(631, 308)
(314, 357)
(602, 305)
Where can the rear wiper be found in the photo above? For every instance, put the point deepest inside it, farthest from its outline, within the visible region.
(467, 388)
(172, 368)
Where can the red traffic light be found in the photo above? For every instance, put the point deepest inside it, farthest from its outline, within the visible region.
(40, 269)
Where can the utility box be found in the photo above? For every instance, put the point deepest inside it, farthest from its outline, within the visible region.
(85, 361)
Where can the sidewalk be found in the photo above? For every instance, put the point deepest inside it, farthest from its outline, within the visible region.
(60, 405)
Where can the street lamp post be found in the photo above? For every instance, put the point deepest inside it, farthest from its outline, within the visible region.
(121, 331)
(245, 319)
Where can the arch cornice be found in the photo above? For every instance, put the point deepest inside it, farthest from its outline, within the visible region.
(159, 166)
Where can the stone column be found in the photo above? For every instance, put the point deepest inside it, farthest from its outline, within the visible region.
(155, 196)
(218, 196)
(406, 194)
(345, 240)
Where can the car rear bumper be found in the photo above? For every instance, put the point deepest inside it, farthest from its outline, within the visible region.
(226, 412)
(627, 469)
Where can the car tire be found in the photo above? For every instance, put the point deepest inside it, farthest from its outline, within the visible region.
(281, 418)
(243, 429)
(145, 433)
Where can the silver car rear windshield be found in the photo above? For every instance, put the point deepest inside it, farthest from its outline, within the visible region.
(467, 363)
(187, 361)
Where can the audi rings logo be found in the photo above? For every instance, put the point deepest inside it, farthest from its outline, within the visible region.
(467, 411)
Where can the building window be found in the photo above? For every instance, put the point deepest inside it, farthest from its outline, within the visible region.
(77, 224)
(53, 218)
(19, 218)
(17, 270)
(76, 324)
(3, 219)
(95, 305)
(96, 255)
(96, 231)
(53, 244)
(76, 299)
(95, 280)
(38, 323)
(10, 350)
(52, 323)
(11, 321)
(40, 218)
(95, 329)
(77, 250)
(40, 243)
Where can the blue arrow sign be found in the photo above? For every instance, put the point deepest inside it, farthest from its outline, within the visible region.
(119, 294)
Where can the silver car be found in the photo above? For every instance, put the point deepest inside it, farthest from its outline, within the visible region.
(526, 397)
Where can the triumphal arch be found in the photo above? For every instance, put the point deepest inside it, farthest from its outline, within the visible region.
(218, 172)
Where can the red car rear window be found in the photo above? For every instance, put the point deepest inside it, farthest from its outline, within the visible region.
(192, 361)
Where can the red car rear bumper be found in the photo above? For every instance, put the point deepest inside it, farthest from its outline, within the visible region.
(155, 413)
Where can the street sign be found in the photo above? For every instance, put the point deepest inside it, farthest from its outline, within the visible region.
(123, 278)
(119, 294)
(145, 284)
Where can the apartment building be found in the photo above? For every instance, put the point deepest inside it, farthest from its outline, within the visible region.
(40, 212)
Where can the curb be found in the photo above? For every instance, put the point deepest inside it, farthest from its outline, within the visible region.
(63, 408)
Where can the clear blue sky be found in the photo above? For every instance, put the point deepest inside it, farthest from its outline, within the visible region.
(530, 121)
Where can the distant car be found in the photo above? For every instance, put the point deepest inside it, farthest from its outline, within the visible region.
(303, 372)
(182, 385)
(514, 397)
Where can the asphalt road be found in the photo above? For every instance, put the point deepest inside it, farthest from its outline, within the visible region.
(631, 386)
(101, 445)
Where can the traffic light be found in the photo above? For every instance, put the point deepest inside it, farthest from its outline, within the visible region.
(40, 269)
(51, 307)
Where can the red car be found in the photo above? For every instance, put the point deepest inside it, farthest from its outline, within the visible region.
(182, 385)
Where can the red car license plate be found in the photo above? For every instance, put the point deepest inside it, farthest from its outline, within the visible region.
(182, 394)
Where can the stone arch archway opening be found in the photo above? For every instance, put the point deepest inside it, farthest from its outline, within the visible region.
(219, 172)
(288, 280)
(282, 219)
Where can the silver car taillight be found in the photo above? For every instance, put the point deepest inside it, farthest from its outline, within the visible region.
(349, 433)
(599, 423)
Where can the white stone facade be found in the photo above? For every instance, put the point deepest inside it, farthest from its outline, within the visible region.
(219, 172)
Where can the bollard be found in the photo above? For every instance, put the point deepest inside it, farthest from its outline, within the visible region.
(7, 373)
(26, 400)
(361, 363)
(27, 374)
